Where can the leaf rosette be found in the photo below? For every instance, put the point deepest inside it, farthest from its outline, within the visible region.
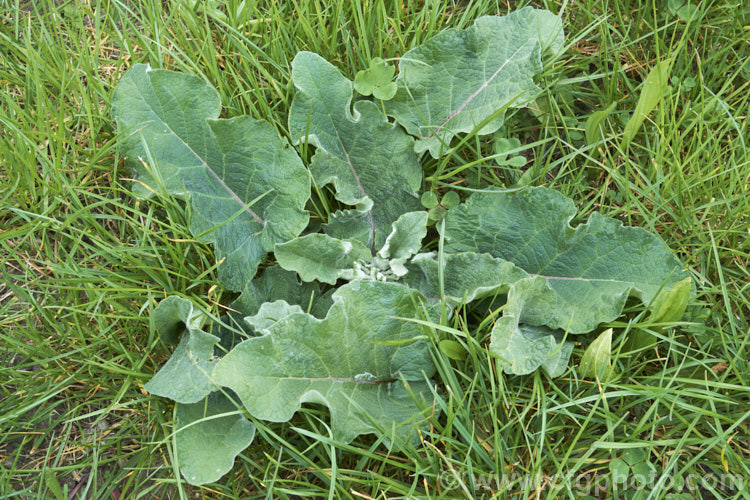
(338, 319)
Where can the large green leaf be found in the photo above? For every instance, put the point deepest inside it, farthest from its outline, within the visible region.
(459, 78)
(591, 270)
(209, 434)
(247, 188)
(185, 377)
(370, 162)
(320, 257)
(523, 348)
(354, 361)
(467, 276)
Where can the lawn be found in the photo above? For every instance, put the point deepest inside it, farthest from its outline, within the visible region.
(85, 261)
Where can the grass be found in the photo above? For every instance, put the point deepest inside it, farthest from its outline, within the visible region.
(83, 261)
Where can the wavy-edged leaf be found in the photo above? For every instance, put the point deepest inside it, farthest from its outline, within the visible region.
(185, 377)
(209, 435)
(523, 348)
(407, 233)
(467, 276)
(350, 224)
(271, 313)
(370, 162)
(320, 257)
(591, 269)
(246, 186)
(274, 284)
(459, 78)
(346, 361)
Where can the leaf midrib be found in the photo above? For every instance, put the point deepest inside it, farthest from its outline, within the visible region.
(334, 125)
(196, 155)
(332, 379)
(361, 188)
(477, 92)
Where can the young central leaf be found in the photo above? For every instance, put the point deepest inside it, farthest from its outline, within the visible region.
(246, 187)
(459, 78)
(320, 257)
(354, 361)
(370, 162)
(324, 258)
